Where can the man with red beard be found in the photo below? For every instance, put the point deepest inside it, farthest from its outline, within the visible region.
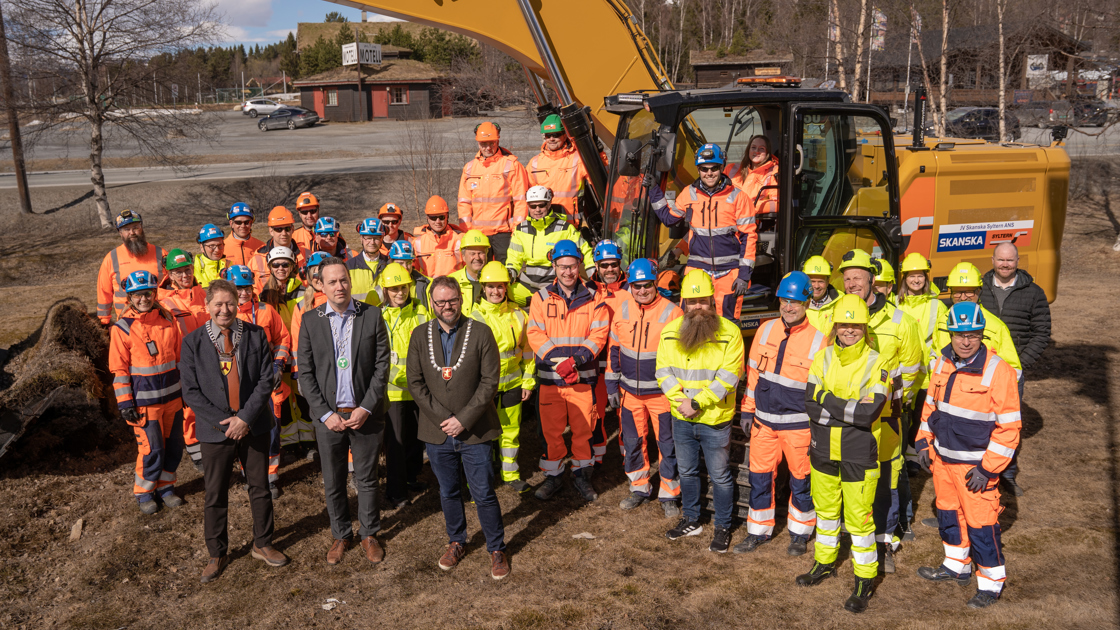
(133, 254)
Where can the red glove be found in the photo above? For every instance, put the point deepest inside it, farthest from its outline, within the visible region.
(567, 371)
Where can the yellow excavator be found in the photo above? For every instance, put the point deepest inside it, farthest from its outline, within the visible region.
(845, 178)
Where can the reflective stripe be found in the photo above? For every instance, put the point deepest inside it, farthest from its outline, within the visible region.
(775, 418)
(825, 540)
(1007, 418)
(1000, 449)
(968, 414)
(956, 566)
(143, 397)
(990, 370)
(964, 455)
(640, 356)
(783, 380)
(720, 231)
(864, 557)
(121, 379)
(143, 483)
(959, 554)
(155, 369)
(688, 375)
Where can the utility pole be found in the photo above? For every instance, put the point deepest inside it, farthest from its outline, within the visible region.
(13, 122)
(361, 94)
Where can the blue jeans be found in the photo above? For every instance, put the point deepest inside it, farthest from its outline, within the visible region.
(475, 462)
(690, 438)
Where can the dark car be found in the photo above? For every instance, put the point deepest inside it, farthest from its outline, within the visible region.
(290, 117)
(1093, 114)
(979, 122)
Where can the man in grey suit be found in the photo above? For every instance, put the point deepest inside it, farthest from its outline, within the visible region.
(343, 363)
(228, 376)
(453, 371)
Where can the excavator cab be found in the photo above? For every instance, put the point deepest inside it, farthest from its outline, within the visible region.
(838, 185)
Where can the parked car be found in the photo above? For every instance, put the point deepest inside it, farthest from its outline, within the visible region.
(979, 122)
(257, 106)
(1062, 113)
(1093, 113)
(1033, 114)
(290, 117)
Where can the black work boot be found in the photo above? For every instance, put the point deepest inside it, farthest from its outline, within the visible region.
(983, 599)
(798, 545)
(752, 542)
(581, 481)
(816, 575)
(861, 594)
(941, 574)
(550, 487)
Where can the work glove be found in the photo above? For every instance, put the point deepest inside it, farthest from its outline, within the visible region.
(512, 274)
(746, 421)
(614, 401)
(741, 287)
(655, 192)
(924, 459)
(976, 480)
(132, 416)
(567, 371)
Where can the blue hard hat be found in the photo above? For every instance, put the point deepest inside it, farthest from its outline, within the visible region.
(710, 154)
(795, 286)
(565, 248)
(642, 270)
(240, 276)
(239, 209)
(209, 232)
(966, 317)
(401, 250)
(326, 225)
(368, 227)
(317, 259)
(607, 250)
(139, 281)
(128, 217)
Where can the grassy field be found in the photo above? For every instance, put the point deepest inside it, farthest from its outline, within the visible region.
(128, 570)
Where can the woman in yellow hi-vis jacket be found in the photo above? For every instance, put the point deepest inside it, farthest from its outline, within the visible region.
(847, 394)
(517, 379)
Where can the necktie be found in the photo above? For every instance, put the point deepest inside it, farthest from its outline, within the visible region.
(233, 378)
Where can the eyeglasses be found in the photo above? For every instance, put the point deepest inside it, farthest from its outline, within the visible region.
(970, 336)
(969, 291)
(538, 206)
(281, 265)
(609, 265)
(245, 222)
(708, 169)
(447, 303)
(641, 286)
(213, 244)
(147, 293)
(557, 134)
(573, 267)
(283, 228)
(315, 211)
(437, 217)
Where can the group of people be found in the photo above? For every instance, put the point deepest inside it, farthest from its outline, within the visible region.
(251, 346)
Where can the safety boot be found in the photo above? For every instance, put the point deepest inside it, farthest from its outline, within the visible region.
(861, 594)
(670, 509)
(171, 500)
(886, 557)
(983, 599)
(149, 507)
(798, 545)
(550, 487)
(632, 501)
(819, 573)
(519, 485)
(582, 483)
(198, 465)
(752, 542)
(941, 574)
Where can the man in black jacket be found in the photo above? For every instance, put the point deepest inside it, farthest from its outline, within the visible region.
(1011, 294)
(228, 376)
(343, 360)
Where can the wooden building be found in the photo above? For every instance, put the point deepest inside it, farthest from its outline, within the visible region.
(397, 89)
(712, 70)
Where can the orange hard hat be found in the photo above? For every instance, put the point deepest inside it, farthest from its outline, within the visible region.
(436, 205)
(669, 280)
(279, 217)
(389, 209)
(307, 200)
(486, 132)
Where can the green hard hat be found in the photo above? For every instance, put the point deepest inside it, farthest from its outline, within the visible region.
(177, 258)
(551, 124)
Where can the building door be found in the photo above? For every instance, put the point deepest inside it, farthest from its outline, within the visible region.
(318, 102)
(380, 102)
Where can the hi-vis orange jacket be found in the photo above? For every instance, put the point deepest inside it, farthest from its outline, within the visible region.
(115, 267)
(258, 264)
(144, 358)
(722, 233)
(186, 305)
(635, 333)
(561, 327)
(757, 182)
(492, 193)
(266, 317)
(971, 414)
(562, 171)
(778, 372)
(239, 252)
(437, 255)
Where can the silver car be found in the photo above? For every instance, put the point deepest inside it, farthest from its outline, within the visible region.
(290, 117)
(257, 106)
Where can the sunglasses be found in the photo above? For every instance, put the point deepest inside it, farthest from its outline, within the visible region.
(642, 286)
(558, 134)
(245, 222)
(609, 265)
(709, 169)
(281, 265)
(315, 211)
(538, 206)
(144, 294)
(390, 221)
(437, 217)
(285, 228)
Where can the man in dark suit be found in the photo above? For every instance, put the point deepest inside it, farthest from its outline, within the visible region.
(453, 371)
(228, 376)
(343, 363)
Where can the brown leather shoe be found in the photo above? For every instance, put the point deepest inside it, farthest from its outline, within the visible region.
(452, 556)
(499, 565)
(214, 569)
(270, 556)
(374, 552)
(338, 547)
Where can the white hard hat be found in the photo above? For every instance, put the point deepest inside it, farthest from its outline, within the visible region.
(280, 252)
(539, 193)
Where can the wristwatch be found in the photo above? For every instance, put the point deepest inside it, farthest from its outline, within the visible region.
(695, 405)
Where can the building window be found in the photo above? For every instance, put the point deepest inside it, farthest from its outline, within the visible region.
(724, 73)
(398, 96)
(332, 97)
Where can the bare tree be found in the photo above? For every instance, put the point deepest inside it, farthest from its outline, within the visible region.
(95, 52)
(859, 49)
(430, 159)
(916, 25)
(943, 100)
(1001, 5)
(835, 8)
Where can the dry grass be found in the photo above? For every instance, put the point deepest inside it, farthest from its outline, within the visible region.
(135, 571)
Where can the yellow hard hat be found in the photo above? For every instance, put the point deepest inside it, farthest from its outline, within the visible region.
(965, 274)
(395, 275)
(817, 266)
(474, 238)
(885, 271)
(915, 262)
(858, 259)
(850, 309)
(493, 271)
(697, 284)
